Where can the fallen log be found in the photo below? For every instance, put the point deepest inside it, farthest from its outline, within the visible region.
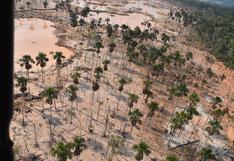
(181, 145)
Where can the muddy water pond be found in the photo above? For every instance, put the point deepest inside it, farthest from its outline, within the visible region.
(33, 36)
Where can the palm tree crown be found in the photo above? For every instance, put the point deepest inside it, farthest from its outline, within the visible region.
(71, 90)
(172, 157)
(133, 98)
(62, 151)
(135, 117)
(153, 106)
(22, 82)
(75, 76)
(50, 94)
(58, 56)
(79, 145)
(141, 149)
(41, 59)
(194, 99)
(26, 61)
(206, 154)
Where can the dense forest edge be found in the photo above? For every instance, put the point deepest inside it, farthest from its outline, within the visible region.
(214, 28)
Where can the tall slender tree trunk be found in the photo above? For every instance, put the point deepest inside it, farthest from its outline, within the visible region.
(98, 112)
(22, 111)
(131, 129)
(42, 80)
(106, 122)
(76, 103)
(28, 74)
(148, 121)
(116, 108)
(71, 112)
(206, 120)
(91, 120)
(35, 135)
(51, 132)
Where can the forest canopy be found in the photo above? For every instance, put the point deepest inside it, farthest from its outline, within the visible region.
(214, 29)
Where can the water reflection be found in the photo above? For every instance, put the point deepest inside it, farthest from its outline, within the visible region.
(45, 26)
(31, 27)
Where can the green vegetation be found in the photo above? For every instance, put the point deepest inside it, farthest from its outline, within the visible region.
(214, 29)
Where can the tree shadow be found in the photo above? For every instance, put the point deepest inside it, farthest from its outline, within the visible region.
(96, 146)
(84, 86)
(120, 117)
(126, 152)
(55, 121)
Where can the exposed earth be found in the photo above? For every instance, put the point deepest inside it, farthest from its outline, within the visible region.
(47, 30)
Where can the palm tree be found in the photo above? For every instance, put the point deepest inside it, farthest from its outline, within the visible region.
(71, 90)
(116, 143)
(28, 4)
(133, 98)
(105, 63)
(182, 90)
(75, 77)
(146, 90)
(42, 60)
(189, 56)
(95, 86)
(98, 45)
(165, 38)
(179, 120)
(206, 154)
(98, 71)
(109, 30)
(122, 82)
(79, 145)
(85, 11)
(157, 69)
(73, 18)
(45, 3)
(172, 157)
(141, 149)
(62, 151)
(193, 99)
(58, 56)
(153, 106)
(216, 100)
(148, 84)
(135, 118)
(50, 94)
(214, 127)
(22, 82)
(111, 46)
(26, 61)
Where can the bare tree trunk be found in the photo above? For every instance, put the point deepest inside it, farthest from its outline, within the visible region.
(131, 129)
(42, 80)
(71, 112)
(22, 111)
(28, 74)
(98, 112)
(50, 123)
(35, 136)
(107, 120)
(206, 120)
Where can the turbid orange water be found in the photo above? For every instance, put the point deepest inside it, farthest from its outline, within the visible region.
(33, 36)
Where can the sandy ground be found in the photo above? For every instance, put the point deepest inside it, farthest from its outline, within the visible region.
(37, 129)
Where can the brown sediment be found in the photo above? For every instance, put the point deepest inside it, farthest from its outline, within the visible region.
(153, 135)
